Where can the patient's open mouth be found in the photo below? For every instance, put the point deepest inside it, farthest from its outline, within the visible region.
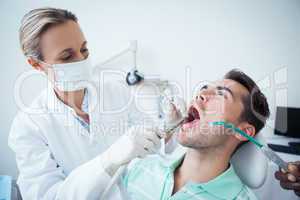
(192, 119)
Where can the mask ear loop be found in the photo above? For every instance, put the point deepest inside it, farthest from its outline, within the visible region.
(51, 76)
(50, 72)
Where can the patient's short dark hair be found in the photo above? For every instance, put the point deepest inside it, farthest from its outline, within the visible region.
(256, 109)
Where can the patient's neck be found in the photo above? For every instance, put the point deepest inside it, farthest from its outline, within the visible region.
(201, 166)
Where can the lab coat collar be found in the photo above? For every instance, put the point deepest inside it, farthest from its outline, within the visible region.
(56, 106)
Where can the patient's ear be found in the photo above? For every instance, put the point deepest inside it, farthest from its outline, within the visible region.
(248, 129)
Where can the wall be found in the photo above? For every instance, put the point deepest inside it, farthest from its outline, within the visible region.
(183, 41)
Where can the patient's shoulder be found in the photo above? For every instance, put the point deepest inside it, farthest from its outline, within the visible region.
(140, 168)
(151, 161)
(247, 194)
(143, 176)
(156, 162)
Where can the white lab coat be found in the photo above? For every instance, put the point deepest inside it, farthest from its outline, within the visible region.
(55, 157)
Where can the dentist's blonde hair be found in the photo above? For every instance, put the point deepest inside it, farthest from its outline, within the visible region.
(37, 21)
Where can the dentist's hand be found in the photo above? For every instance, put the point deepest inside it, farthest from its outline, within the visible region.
(138, 141)
(174, 109)
(290, 180)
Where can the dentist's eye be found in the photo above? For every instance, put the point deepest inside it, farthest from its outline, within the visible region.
(85, 50)
(66, 58)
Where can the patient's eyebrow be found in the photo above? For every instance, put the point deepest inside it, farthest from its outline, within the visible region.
(226, 89)
(204, 87)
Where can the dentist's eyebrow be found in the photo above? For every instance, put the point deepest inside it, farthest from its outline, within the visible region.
(68, 50)
(225, 89)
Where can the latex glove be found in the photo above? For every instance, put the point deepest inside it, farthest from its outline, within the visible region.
(174, 109)
(290, 180)
(136, 142)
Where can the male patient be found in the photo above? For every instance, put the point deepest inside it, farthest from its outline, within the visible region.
(204, 171)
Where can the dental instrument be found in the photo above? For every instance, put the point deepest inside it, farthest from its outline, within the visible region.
(269, 153)
(173, 128)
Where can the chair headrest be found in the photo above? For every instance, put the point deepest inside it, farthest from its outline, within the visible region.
(250, 164)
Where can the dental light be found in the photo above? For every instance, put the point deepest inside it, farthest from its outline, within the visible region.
(133, 77)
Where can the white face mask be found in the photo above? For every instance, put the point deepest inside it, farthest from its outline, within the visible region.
(70, 76)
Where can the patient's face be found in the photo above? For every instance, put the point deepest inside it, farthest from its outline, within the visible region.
(219, 101)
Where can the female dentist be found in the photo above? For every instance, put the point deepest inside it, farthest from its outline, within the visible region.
(55, 156)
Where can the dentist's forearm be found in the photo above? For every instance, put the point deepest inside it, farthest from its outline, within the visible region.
(108, 165)
(87, 181)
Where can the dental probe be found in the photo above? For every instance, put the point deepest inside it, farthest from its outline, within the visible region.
(269, 153)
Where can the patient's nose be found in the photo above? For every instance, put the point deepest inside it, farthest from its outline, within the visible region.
(201, 99)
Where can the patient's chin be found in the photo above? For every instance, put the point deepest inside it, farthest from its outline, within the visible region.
(186, 139)
(196, 138)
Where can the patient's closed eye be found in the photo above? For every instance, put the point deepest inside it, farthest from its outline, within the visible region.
(220, 92)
